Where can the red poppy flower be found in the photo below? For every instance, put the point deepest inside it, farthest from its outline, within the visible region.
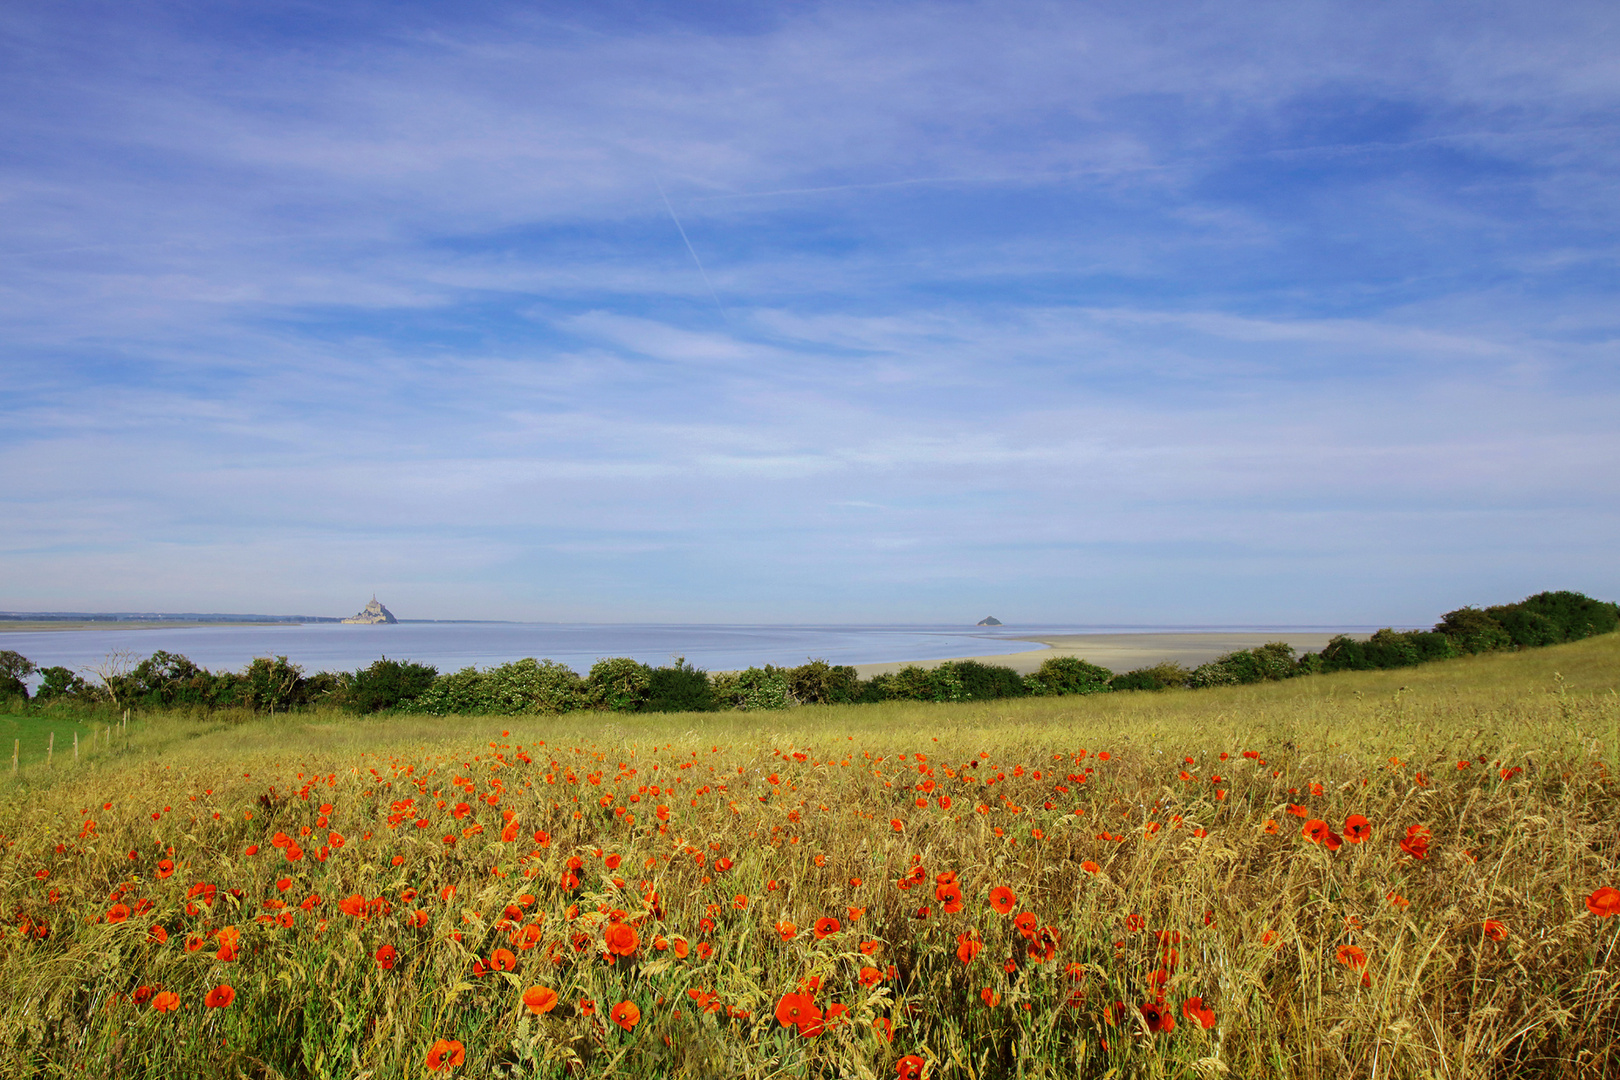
(385, 957)
(794, 1009)
(621, 938)
(1315, 830)
(871, 976)
(786, 930)
(118, 913)
(1357, 829)
(1351, 957)
(626, 1014)
(967, 947)
(165, 1001)
(503, 960)
(220, 997)
(1494, 930)
(1158, 1017)
(1416, 843)
(1195, 1010)
(446, 1054)
(1604, 902)
(540, 999)
(1002, 899)
(990, 997)
(910, 1067)
(826, 927)
(142, 994)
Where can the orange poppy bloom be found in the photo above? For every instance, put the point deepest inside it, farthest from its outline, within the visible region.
(1357, 829)
(871, 976)
(540, 999)
(1494, 930)
(385, 957)
(446, 1054)
(1351, 957)
(786, 930)
(1604, 902)
(1416, 843)
(622, 938)
(1315, 830)
(165, 1001)
(220, 997)
(1090, 867)
(990, 998)
(795, 1009)
(910, 1067)
(626, 1014)
(1002, 900)
(826, 927)
(165, 868)
(503, 960)
(118, 913)
(1195, 1010)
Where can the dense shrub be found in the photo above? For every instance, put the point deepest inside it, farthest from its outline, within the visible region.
(619, 684)
(821, 683)
(1575, 615)
(1068, 675)
(1165, 675)
(754, 688)
(386, 684)
(1472, 631)
(1271, 661)
(680, 688)
(914, 683)
(986, 682)
(522, 686)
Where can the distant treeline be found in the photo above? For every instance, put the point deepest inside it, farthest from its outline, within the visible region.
(169, 681)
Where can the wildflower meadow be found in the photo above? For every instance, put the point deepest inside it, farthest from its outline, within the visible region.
(1403, 873)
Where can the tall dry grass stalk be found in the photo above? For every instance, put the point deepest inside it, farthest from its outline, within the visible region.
(1132, 829)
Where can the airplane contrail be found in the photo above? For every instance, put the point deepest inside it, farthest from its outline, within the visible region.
(691, 250)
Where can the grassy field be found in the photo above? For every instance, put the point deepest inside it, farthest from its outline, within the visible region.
(1170, 885)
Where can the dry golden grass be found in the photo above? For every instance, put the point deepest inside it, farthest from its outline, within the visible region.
(1262, 924)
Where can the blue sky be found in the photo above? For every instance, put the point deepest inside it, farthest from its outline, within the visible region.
(1088, 313)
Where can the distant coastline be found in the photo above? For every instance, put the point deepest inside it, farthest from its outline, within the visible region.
(36, 621)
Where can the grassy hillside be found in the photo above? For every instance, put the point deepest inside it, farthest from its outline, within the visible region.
(1154, 848)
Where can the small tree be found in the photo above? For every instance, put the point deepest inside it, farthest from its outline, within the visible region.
(14, 669)
(680, 688)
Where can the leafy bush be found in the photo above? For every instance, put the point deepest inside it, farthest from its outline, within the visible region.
(1068, 675)
(1165, 675)
(754, 688)
(619, 684)
(680, 688)
(914, 683)
(522, 686)
(1271, 661)
(1550, 617)
(985, 682)
(386, 684)
(821, 683)
(1473, 631)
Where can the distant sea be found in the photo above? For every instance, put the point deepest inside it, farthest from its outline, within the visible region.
(450, 646)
